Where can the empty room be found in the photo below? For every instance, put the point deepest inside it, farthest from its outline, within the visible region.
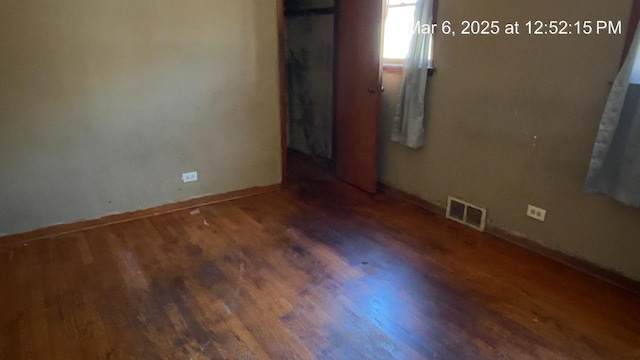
(319, 179)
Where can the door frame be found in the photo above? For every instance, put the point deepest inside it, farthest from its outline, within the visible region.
(334, 111)
(284, 111)
(284, 108)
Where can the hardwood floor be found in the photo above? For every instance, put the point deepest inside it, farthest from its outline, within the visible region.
(320, 270)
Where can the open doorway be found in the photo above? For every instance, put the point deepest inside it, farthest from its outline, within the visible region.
(331, 61)
(309, 63)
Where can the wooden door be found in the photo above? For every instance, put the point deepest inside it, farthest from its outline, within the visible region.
(358, 91)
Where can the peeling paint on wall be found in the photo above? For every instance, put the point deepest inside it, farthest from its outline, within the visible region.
(310, 83)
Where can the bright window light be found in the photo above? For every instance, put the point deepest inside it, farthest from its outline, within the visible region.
(397, 29)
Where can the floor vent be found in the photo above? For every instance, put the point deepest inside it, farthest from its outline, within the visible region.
(467, 214)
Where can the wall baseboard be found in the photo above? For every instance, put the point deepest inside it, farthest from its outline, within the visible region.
(431, 207)
(581, 265)
(62, 229)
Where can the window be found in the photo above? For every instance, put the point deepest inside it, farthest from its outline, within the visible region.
(633, 26)
(398, 29)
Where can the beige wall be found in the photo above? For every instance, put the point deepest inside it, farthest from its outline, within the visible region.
(489, 100)
(103, 104)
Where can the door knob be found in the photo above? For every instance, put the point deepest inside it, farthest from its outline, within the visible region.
(372, 89)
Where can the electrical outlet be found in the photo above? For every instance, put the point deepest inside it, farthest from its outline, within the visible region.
(536, 213)
(190, 177)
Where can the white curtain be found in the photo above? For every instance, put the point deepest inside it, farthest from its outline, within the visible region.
(615, 162)
(408, 123)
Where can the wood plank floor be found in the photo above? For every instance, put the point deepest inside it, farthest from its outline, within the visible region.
(320, 270)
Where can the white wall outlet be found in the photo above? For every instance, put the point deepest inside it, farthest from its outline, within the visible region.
(536, 213)
(190, 177)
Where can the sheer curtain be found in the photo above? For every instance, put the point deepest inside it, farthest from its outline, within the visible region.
(408, 123)
(615, 162)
